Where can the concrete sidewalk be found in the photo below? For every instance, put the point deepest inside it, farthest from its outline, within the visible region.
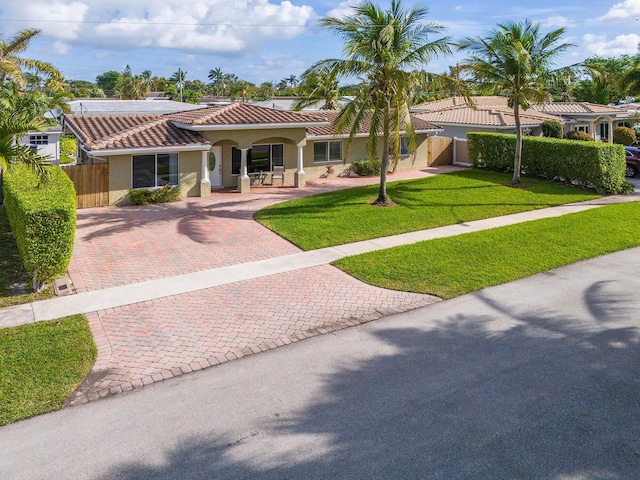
(136, 293)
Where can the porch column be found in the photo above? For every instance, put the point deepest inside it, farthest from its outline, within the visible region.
(205, 183)
(244, 182)
(592, 129)
(300, 180)
(610, 136)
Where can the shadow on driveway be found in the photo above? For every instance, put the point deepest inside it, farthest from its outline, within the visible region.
(550, 396)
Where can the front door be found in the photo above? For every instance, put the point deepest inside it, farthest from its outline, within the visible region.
(215, 166)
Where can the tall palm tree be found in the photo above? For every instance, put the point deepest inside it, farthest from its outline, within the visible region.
(385, 48)
(319, 85)
(12, 65)
(516, 58)
(630, 80)
(216, 76)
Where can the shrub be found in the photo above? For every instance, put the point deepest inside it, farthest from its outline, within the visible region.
(580, 136)
(552, 129)
(595, 164)
(624, 136)
(369, 168)
(67, 146)
(167, 193)
(42, 215)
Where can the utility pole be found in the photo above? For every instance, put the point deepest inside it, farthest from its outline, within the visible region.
(180, 82)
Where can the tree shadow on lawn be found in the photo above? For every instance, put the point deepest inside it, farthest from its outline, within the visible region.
(504, 392)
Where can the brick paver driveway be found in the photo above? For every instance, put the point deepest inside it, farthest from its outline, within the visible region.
(147, 342)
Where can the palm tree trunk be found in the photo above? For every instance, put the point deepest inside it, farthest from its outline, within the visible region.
(518, 157)
(382, 192)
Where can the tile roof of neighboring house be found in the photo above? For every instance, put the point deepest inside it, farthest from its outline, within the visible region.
(419, 125)
(576, 108)
(552, 108)
(238, 114)
(114, 132)
(460, 102)
(493, 116)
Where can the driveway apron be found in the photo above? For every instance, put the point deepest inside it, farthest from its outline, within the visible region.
(152, 341)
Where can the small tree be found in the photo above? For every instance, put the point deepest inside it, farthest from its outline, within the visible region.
(624, 136)
(552, 129)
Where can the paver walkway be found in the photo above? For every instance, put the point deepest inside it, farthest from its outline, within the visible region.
(170, 289)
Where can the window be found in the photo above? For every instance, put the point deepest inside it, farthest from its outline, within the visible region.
(39, 139)
(327, 151)
(155, 170)
(582, 128)
(404, 147)
(260, 158)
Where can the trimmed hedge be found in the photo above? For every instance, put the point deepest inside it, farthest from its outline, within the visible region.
(594, 164)
(42, 215)
(67, 146)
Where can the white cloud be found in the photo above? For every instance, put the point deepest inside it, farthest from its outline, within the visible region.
(55, 18)
(214, 26)
(60, 48)
(627, 10)
(621, 45)
(343, 9)
(556, 21)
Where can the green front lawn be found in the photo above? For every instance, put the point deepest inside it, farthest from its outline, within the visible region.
(345, 216)
(452, 266)
(12, 273)
(41, 364)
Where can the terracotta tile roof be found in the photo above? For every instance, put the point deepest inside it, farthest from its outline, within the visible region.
(557, 108)
(576, 108)
(329, 130)
(114, 132)
(450, 102)
(494, 116)
(243, 114)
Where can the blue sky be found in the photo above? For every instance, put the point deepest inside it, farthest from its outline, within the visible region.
(268, 40)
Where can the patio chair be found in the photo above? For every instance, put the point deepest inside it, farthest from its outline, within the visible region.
(278, 173)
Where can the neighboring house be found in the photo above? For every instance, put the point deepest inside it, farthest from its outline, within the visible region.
(488, 114)
(491, 113)
(599, 121)
(220, 146)
(46, 142)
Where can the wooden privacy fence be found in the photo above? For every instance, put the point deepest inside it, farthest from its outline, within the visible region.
(439, 151)
(91, 183)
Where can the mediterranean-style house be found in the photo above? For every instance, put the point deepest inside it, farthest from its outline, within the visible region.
(221, 146)
(492, 113)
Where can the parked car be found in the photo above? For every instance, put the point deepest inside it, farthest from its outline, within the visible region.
(633, 161)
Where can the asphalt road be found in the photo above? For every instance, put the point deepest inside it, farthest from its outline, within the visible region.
(539, 378)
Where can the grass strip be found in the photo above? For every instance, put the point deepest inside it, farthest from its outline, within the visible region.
(453, 266)
(41, 365)
(345, 216)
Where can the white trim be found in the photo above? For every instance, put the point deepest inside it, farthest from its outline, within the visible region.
(149, 150)
(314, 138)
(250, 126)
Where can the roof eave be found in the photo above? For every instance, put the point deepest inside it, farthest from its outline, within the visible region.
(126, 151)
(250, 126)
